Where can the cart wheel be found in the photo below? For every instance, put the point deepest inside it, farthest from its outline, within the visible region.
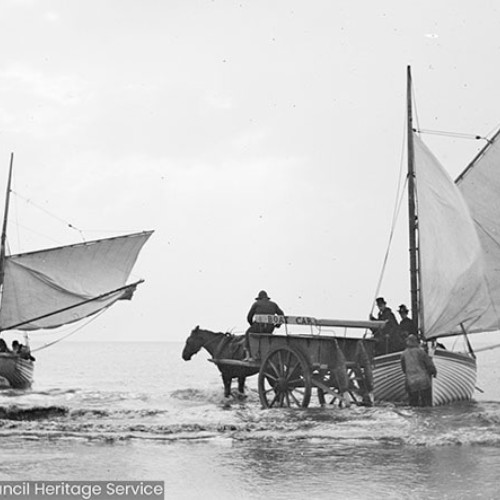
(330, 399)
(360, 387)
(285, 379)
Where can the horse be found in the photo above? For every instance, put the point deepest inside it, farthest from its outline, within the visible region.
(221, 346)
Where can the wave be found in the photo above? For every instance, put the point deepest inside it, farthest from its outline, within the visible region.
(212, 396)
(193, 414)
(23, 393)
(248, 433)
(31, 413)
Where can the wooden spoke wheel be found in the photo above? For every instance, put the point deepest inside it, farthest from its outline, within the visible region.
(285, 379)
(328, 379)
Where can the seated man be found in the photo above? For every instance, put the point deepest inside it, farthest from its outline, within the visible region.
(3, 346)
(262, 305)
(22, 350)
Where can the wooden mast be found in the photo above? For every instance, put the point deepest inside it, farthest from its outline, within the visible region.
(412, 210)
(4, 227)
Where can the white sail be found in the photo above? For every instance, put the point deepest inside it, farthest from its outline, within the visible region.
(453, 289)
(480, 187)
(53, 287)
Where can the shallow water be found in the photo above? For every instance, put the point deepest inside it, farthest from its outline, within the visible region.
(137, 411)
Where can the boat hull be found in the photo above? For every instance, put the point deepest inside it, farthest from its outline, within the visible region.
(455, 381)
(15, 372)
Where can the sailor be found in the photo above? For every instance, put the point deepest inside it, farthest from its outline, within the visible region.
(406, 325)
(262, 305)
(3, 346)
(387, 338)
(419, 369)
(22, 350)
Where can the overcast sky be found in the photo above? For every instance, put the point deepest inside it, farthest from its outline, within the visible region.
(261, 140)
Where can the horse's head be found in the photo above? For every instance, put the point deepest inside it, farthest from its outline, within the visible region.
(194, 343)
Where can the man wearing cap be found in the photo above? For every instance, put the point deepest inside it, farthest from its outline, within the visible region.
(262, 305)
(419, 369)
(406, 325)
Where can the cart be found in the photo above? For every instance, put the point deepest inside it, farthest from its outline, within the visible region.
(291, 366)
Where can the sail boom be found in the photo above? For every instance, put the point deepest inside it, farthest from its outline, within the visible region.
(457, 333)
(122, 291)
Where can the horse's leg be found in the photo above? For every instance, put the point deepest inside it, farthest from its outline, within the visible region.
(241, 385)
(227, 385)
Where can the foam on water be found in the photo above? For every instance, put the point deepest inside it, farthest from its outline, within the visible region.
(201, 414)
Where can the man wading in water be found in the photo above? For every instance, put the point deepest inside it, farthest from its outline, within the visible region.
(418, 368)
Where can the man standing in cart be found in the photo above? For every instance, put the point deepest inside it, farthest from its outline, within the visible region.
(262, 305)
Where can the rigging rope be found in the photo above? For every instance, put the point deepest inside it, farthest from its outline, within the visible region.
(400, 189)
(458, 135)
(49, 344)
(68, 224)
(397, 208)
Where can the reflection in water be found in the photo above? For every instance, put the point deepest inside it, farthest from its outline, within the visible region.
(324, 470)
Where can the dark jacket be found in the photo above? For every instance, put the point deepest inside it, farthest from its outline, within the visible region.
(263, 306)
(407, 325)
(418, 367)
(388, 338)
(387, 315)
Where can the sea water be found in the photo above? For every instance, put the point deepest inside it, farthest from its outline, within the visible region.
(137, 411)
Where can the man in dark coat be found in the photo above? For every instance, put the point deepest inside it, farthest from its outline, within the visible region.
(262, 305)
(406, 325)
(419, 369)
(387, 338)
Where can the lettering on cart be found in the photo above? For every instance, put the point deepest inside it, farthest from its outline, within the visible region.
(305, 320)
(281, 320)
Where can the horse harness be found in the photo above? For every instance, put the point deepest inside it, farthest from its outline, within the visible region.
(226, 337)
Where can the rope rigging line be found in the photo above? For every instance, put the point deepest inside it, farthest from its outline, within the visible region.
(397, 208)
(399, 194)
(457, 135)
(16, 214)
(49, 344)
(414, 108)
(65, 222)
(38, 233)
(68, 224)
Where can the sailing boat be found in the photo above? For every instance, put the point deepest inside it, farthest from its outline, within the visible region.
(58, 286)
(454, 272)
